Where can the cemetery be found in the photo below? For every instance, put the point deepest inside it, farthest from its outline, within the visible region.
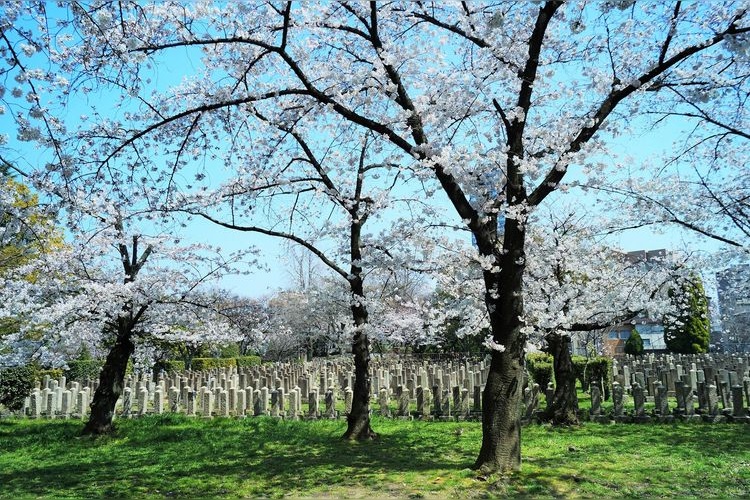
(706, 388)
(269, 441)
(374, 249)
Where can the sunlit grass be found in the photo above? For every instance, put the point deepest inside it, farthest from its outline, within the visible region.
(170, 455)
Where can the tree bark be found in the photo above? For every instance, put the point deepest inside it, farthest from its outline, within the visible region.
(111, 382)
(564, 407)
(501, 422)
(358, 421)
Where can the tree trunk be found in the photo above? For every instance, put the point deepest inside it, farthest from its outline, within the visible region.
(111, 382)
(358, 420)
(501, 404)
(564, 407)
(501, 422)
(501, 399)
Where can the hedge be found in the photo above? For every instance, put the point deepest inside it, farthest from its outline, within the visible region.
(53, 373)
(540, 368)
(15, 384)
(83, 369)
(204, 364)
(247, 361)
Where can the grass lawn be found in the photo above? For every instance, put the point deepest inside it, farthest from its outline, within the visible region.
(175, 456)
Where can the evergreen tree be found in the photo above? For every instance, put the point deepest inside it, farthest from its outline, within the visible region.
(634, 344)
(687, 329)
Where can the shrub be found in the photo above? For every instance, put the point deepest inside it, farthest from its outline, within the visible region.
(174, 366)
(204, 364)
(83, 369)
(229, 350)
(247, 361)
(634, 344)
(540, 368)
(53, 373)
(15, 385)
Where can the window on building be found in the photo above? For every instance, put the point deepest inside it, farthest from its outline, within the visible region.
(646, 343)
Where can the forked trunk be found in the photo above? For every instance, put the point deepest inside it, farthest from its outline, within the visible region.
(111, 382)
(564, 407)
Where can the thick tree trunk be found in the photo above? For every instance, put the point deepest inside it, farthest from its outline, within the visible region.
(111, 382)
(358, 420)
(501, 422)
(564, 407)
(501, 404)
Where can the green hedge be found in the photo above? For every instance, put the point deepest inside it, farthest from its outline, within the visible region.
(540, 368)
(15, 384)
(54, 374)
(247, 361)
(204, 364)
(173, 366)
(83, 369)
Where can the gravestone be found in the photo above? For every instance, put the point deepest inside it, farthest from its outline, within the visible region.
(713, 400)
(312, 405)
(437, 404)
(420, 401)
(383, 402)
(127, 402)
(223, 403)
(446, 405)
(403, 401)
(174, 399)
(463, 410)
(190, 402)
(142, 401)
(348, 400)
(330, 403)
(158, 401)
(35, 404)
(207, 402)
(738, 406)
(639, 401)
(596, 401)
(66, 405)
(477, 408)
(617, 397)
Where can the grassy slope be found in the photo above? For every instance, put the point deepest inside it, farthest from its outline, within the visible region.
(177, 456)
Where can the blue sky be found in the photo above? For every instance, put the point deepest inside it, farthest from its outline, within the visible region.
(272, 251)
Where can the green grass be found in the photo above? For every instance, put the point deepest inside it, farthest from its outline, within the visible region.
(174, 456)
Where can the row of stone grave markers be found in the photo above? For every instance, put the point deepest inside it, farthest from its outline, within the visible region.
(405, 387)
(440, 389)
(711, 379)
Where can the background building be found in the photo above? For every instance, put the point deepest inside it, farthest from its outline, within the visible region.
(733, 290)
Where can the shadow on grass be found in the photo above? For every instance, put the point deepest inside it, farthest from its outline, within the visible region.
(170, 455)
(179, 456)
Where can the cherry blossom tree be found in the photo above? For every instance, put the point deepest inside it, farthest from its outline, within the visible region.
(500, 104)
(578, 283)
(108, 286)
(575, 282)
